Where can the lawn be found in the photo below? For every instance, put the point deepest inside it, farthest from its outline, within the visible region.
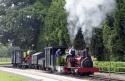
(4, 76)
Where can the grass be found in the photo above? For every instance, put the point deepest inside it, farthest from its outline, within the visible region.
(4, 76)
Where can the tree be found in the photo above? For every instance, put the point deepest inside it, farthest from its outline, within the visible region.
(119, 32)
(79, 42)
(22, 26)
(97, 46)
(46, 2)
(113, 33)
(55, 30)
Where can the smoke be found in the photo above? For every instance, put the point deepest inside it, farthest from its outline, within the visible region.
(87, 14)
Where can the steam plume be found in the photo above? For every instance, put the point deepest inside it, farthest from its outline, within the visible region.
(87, 14)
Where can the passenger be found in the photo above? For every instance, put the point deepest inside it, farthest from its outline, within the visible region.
(71, 60)
(72, 51)
(28, 52)
(24, 54)
(58, 52)
(58, 57)
(30, 58)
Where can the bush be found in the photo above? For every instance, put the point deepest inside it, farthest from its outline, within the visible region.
(121, 69)
(110, 66)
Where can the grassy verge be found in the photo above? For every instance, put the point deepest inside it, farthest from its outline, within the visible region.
(110, 66)
(4, 76)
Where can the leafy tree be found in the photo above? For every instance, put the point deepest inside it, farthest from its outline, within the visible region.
(119, 32)
(113, 33)
(22, 26)
(55, 31)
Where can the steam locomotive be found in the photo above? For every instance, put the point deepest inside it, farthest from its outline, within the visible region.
(54, 59)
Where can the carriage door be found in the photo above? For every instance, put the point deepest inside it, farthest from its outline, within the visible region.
(53, 59)
(47, 57)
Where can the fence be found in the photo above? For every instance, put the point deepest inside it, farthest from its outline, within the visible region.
(5, 60)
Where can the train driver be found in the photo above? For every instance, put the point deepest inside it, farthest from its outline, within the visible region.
(72, 51)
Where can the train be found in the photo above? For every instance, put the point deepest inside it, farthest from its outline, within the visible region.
(55, 59)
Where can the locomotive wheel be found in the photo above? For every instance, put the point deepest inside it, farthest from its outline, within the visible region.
(86, 63)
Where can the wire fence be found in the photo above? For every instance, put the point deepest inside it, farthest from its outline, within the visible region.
(5, 60)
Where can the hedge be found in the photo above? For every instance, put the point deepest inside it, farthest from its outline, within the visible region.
(110, 66)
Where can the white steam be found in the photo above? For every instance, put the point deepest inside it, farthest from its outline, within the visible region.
(87, 14)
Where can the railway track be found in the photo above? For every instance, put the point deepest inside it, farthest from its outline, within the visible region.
(98, 78)
(102, 78)
(61, 77)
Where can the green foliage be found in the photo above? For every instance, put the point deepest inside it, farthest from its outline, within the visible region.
(110, 66)
(6, 51)
(97, 46)
(113, 33)
(55, 31)
(22, 26)
(46, 2)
